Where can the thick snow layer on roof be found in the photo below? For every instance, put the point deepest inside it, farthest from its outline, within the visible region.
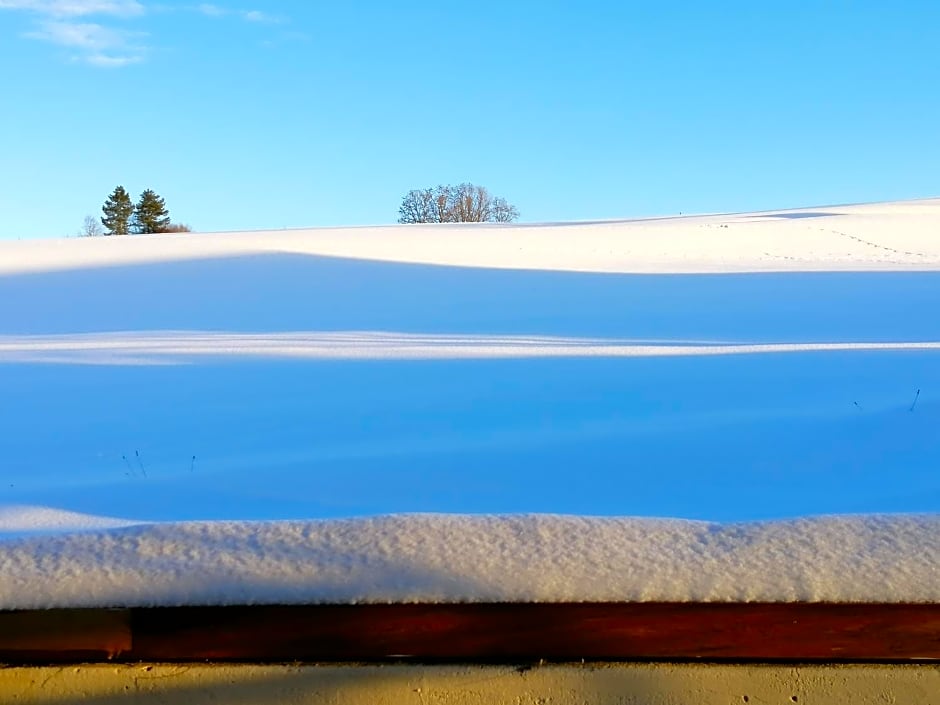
(453, 558)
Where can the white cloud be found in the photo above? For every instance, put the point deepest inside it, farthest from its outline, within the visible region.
(258, 16)
(111, 61)
(96, 32)
(94, 43)
(76, 8)
(79, 35)
(212, 10)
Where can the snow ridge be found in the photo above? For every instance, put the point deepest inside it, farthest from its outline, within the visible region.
(483, 558)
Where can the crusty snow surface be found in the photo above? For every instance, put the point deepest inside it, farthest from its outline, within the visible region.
(475, 390)
(460, 558)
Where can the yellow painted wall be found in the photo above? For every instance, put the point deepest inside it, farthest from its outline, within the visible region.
(650, 684)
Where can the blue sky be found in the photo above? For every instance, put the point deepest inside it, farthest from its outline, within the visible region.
(288, 114)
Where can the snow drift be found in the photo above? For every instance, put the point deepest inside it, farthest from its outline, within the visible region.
(448, 558)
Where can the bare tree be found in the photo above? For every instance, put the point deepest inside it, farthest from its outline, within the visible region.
(177, 228)
(464, 203)
(91, 227)
(470, 204)
(418, 206)
(504, 211)
(443, 205)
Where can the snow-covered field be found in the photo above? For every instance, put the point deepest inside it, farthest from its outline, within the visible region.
(727, 368)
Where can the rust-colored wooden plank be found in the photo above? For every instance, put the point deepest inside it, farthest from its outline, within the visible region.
(64, 635)
(554, 632)
(519, 633)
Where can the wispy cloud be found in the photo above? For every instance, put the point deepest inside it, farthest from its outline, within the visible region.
(76, 8)
(112, 61)
(212, 10)
(98, 43)
(258, 16)
(102, 32)
(79, 35)
(93, 43)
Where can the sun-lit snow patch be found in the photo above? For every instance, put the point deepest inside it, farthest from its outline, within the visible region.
(870, 237)
(129, 348)
(453, 558)
(20, 520)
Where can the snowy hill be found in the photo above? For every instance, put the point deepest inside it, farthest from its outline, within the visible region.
(870, 237)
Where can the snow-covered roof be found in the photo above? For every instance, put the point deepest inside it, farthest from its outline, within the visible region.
(463, 558)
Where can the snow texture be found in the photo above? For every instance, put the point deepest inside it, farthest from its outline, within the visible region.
(16, 521)
(451, 558)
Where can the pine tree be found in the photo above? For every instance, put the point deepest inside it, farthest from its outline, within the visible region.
(151, 214)
(117, 210)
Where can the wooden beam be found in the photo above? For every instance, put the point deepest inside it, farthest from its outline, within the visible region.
(494, 633)
(64, 635)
